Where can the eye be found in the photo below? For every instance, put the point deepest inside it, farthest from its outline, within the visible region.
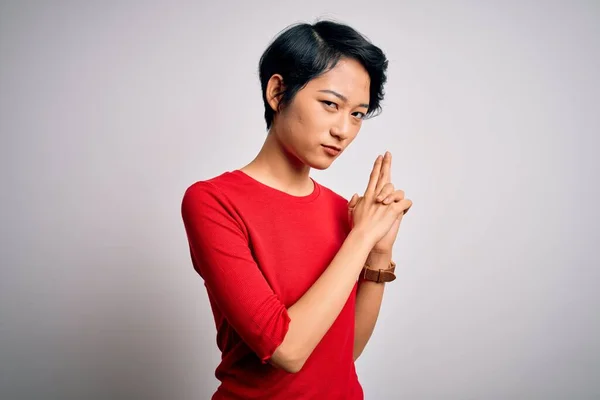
(362, 115)
(329, 104)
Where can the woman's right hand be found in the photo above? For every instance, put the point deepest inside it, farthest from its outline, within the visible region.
(374, 219)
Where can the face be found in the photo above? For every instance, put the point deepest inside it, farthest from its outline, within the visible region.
(328, 111)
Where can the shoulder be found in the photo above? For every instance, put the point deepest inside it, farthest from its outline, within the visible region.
(205, 204)
(199, 192)
(205, 193)
(213, 186)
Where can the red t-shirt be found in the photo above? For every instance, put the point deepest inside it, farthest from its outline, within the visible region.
(258, 250)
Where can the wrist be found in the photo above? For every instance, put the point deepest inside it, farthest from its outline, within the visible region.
(365, 240)
(378, 260)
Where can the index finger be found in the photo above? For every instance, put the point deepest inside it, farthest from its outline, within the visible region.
(370, 191)
(386, 173)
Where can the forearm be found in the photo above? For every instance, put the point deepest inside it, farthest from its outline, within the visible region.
(314, 313)
(368, 303)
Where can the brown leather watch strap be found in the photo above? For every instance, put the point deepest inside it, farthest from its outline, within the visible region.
(379, 275)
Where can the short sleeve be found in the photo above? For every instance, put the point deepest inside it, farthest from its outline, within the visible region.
(221, 254)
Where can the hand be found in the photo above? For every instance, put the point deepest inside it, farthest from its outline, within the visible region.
(380, 220)
(385, 195)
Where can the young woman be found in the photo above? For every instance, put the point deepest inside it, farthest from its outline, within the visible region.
(294, 272)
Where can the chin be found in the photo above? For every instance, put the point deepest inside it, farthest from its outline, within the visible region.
(319, 164)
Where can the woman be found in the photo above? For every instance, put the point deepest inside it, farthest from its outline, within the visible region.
(290, 267)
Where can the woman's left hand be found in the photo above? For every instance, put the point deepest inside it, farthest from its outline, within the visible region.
(387, 195)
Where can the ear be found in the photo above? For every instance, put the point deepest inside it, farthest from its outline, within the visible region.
(275, 88)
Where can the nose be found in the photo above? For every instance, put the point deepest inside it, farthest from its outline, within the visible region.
(342, 128)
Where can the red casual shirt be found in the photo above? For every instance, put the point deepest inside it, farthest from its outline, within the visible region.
(258, 250)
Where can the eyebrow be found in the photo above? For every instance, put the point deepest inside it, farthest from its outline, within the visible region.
(342, 97)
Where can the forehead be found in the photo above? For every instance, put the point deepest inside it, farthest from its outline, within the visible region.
(348, 77)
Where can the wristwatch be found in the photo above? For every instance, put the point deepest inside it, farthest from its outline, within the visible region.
(378, 275)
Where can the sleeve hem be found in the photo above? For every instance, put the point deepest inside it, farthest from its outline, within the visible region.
(273, 343)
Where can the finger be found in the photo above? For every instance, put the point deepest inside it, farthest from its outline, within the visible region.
(353, 201)
(386, 191)
(395, 196)
(370, 191)
(385, 174)
(406, 211)
(351, 204)
(402, 206)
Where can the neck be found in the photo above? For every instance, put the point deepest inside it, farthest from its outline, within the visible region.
(278, 168)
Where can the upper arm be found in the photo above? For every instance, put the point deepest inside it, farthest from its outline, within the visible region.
(223, 258)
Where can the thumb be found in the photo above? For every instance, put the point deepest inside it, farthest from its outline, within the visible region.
(353, 201)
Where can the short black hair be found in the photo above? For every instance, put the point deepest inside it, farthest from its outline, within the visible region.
(303, 51)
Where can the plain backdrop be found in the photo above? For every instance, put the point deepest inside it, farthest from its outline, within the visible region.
(109, 110)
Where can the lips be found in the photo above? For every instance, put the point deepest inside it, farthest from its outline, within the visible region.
(332, 151)
(333, 147)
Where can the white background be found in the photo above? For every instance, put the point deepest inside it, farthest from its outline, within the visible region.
(109, 110)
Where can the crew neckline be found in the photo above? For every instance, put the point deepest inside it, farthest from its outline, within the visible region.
(278, 193)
